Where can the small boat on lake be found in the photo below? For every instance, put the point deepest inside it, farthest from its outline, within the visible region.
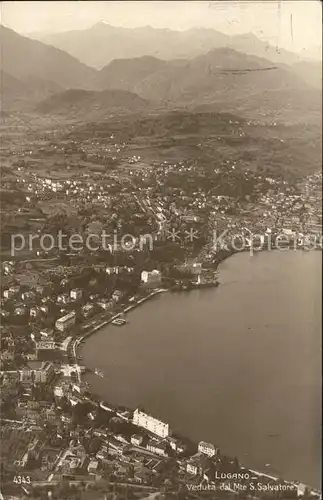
(120, 320)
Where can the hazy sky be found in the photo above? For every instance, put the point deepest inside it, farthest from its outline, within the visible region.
(293, 24)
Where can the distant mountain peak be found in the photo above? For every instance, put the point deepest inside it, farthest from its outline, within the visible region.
(101, 25)
(5, 28)
(99, 45)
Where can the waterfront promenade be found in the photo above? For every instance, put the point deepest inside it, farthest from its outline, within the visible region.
(106, 321)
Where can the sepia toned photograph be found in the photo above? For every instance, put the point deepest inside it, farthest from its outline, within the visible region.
(161, 250)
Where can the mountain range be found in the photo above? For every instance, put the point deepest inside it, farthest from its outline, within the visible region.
(204, 76)
(224, 78)
(101, 43)
(24, 58)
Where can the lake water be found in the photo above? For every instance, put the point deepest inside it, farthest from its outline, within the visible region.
(238, 365)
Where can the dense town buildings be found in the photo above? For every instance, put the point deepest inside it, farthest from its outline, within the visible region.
(52, 298)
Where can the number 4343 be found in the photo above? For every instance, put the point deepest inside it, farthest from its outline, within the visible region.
(22, 480)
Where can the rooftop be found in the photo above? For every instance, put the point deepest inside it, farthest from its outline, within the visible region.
(142, 412)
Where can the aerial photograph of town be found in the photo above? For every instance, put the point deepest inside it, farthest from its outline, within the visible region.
(161, 248)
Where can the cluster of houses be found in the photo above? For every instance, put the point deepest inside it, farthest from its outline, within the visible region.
(161, 441)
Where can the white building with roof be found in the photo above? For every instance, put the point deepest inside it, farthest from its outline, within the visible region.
(76, 293)
(45, 345)
(65, 322)
(152, 424)
(207, 449)
(152, 278)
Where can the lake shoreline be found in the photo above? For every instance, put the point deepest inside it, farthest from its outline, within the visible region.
(93, 391)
